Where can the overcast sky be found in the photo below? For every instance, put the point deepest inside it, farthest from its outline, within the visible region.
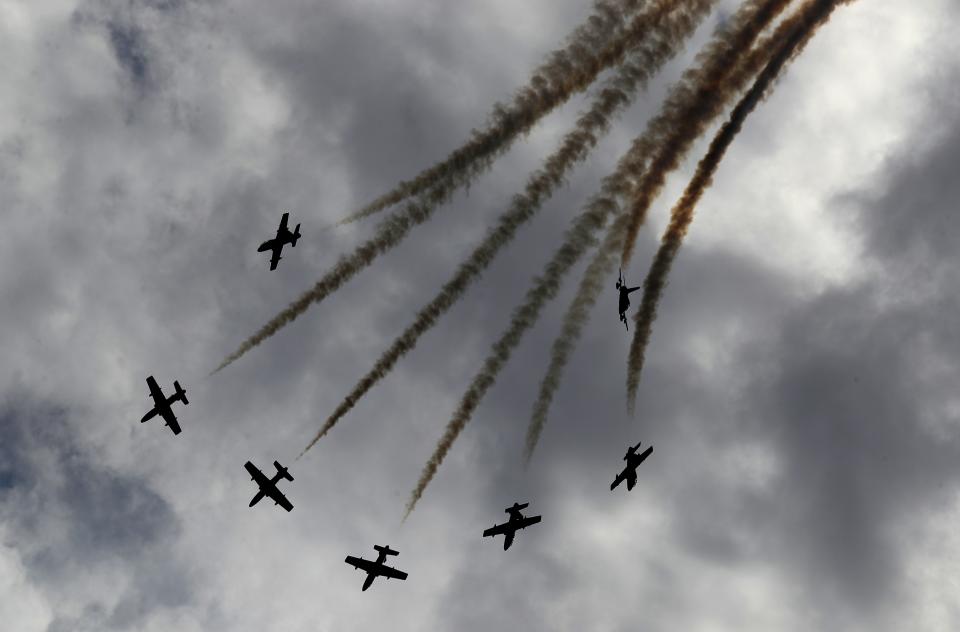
(801, 387)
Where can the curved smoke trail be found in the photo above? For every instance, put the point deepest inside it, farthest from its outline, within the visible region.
(697, 87)
(565, 72)
(734, 64)
(397, 225)
(803, 26)
(678, 24)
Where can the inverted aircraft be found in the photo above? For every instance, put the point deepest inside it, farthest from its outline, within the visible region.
(162, 404)
(376, 568)
(629, 472)
(284, 237)
(517, 521)
(624, 303)
(268, 486)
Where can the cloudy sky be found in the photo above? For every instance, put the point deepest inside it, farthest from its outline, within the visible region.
(800, 388)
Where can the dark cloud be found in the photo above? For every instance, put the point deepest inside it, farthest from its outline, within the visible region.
(130, 48)
(797, 430)
(71, 516)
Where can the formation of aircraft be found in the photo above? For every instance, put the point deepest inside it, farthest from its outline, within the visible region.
(376, 568)
(284, 237)
(516, 522)
(629, 472)
(268, 486)
(162, 404)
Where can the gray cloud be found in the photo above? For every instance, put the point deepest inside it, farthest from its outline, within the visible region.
(72, 518)
(800, 410)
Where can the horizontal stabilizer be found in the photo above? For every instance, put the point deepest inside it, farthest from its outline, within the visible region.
(385, 549)
(182, 394)
(284, 472)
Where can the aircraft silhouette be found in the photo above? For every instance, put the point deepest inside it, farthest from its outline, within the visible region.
(629, 472)
(376, 568)
(624, 298)
(284, 236)
(161, 404)
(509, 529)
(268, 486)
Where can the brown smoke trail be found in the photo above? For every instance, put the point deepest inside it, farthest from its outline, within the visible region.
(397, 225)
(643, 62)
(687, 117)
(804, 25)
(686, 102)
(592, 47)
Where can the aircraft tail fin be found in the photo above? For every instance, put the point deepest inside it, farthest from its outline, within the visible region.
(517, 507)
(296, 236)
(182, 394)
(385, 549)
(282, 471)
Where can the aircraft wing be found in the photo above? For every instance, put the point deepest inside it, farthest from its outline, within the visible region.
(645, 454)
(500, 529)
(257, 475)
(368, 566)
(389, 571)
(155, 391)
(275, 259)
(617, 480)
(277, 496)
(170, 418)
(526, 522)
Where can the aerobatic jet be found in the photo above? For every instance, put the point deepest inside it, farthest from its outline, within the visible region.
(268, 486)
(629, 472)
(624, 303)
(376, 568)
(162, 404)
(509, 529)
(284, 236)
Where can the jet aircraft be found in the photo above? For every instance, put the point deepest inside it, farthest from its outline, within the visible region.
(376, 568)
(162, 404)
(517, 521)
(284, 236)
(629, 472)
(268, 486)
(624, 304)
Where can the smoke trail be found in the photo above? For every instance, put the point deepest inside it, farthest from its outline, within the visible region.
(699, 87)
(813, 15)
(740, 39)
(395, 227)
(650, 55)
(591, 47)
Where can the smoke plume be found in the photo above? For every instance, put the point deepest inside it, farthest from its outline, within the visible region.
(798, 31)
(592, 47)
(395, 227)
(688, 99)
(734, 63)
(676, 24)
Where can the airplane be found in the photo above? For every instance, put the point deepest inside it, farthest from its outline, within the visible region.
(509, 528)
(376, 568)
(629, 472)
(268, 486)
(624, 303)
(284, 236)
(161, 404)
